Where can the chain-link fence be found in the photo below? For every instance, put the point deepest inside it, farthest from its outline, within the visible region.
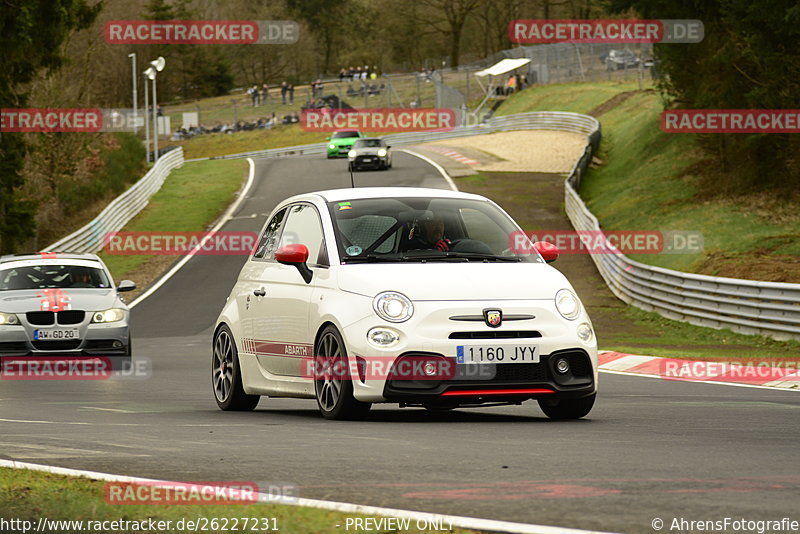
(457, 89)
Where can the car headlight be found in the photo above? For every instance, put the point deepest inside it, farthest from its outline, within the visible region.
(393, 307)
(383, 337)
(331, 146)
(382, 152)
(108, 316)
(585, 332)
(351, 154)
(568, 304)
(8, 318)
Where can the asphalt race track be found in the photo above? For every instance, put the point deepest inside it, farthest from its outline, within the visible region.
(649, 449)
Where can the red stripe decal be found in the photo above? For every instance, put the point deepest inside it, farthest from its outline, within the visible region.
(474, 392)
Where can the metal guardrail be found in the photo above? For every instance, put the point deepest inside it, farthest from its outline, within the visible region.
(122, 209)
(745, 306)
(538, 120)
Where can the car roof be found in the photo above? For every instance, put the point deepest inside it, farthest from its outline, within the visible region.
(336, 195)
(48, 257)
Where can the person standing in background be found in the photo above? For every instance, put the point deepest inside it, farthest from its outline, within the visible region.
(284, 88)
(290, 89)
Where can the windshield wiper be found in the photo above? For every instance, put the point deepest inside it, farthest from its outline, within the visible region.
(373, 258)
(464, 256)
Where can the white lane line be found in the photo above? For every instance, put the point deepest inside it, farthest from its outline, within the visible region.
(435, 165)
(42, 422)
(115, 410)
(453, 520)
(709, 382)
(225, 218)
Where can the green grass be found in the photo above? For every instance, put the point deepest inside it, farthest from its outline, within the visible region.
(29, 495)
(219, 144)
(191, 198)
(650, 181)
(574, 97)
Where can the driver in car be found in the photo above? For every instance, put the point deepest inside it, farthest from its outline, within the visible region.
(81, 277)
(429, 234)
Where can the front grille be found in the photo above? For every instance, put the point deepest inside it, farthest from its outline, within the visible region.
(65, 344)
(496, 334)
(525, 372)
(41, 318)
(71, 316)
(9, 347)
(99, 344)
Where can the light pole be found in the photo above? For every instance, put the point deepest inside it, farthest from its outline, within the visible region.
(135, 95)
(150, 74)
(157, 65)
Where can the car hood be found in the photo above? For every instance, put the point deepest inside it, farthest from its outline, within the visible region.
(368, 151)
(25, 300)
(454, 281)
(343, 141)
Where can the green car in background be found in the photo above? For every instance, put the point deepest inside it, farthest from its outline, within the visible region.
(340, 143)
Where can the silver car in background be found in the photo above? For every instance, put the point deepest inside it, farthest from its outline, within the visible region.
(62, 305)
(369, 153)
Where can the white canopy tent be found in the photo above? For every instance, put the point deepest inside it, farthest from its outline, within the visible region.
(503, 66)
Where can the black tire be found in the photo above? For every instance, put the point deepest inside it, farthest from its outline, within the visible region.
(567, 408)
(226, 378)
(334, 389)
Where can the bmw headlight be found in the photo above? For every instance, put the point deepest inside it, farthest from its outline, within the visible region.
(382, 153)
(108, 316)
(351, 154)
(568, 304)
(393, 307)
(8, 318)
(331, 146)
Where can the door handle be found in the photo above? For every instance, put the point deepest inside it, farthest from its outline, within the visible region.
(260, 292)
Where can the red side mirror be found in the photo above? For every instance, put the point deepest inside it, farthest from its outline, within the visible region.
(292, 254)
(548, 251)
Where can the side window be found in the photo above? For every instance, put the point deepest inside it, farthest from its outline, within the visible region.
(303, 226)
(267, 244)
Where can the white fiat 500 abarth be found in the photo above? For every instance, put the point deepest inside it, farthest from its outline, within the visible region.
(419, 297)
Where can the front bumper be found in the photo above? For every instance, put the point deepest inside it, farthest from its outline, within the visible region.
(339, 152)
(370, 162)
(94, 339)
(432, 333)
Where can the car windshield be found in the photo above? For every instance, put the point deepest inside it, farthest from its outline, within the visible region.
(52, 276)
(369, 143)
(426, 229)
(343, 135)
